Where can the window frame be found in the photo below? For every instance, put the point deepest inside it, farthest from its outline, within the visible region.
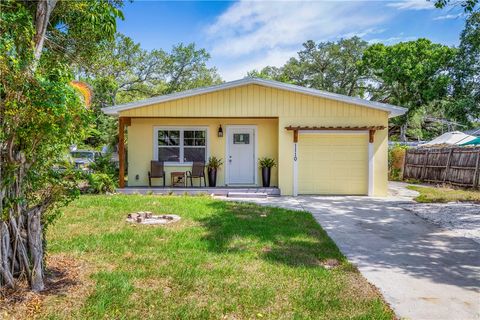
(181, 146)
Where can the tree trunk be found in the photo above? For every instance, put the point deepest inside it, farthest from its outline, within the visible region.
(5, 256)
(403, 132)
(36, 249)
(21, 247)
(42, 18)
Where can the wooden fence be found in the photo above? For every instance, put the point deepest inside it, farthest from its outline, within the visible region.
(457, 166)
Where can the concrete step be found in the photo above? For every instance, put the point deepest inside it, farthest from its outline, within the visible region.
(219, 191)
(250, 195)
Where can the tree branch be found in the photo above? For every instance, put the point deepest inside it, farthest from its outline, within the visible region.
(42, 17)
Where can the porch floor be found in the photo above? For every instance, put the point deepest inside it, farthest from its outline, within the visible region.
(217, 191)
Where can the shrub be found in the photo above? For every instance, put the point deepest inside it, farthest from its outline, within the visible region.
(100, 183)
(396, 158)
(104, 164)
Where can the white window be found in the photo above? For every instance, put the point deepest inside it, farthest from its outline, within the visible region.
(175, 145)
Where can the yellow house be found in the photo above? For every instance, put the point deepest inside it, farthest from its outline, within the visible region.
(324, 143)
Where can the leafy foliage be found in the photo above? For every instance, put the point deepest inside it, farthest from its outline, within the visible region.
(411, 74)
(396, 156)
(331, 66)
(467, 5)
(123, 72)
(100, 183)
(214, 163)
(104, 164)
(267, 162)
(464, 105)
(41, 114)
(436, 83)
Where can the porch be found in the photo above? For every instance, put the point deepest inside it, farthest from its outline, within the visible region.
(239, 192)
(178, 142)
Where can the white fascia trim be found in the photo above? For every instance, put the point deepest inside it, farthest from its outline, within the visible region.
(393, 110)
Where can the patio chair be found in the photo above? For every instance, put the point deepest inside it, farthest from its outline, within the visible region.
(156, 171)
(198, 171)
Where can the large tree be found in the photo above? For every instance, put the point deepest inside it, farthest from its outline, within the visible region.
(186, 68)
(464, 104)
(270, 73)
(331, 66)
(411, 74)
(41, 114)
(123, 72)
(334, 66)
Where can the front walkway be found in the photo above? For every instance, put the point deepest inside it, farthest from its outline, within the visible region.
(423, 271)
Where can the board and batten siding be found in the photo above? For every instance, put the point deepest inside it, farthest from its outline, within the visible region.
(291, 108)
(258, 101)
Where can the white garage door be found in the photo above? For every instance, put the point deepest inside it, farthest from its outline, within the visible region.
(333, 164)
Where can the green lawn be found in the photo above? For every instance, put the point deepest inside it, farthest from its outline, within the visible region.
(443, 194)
(223, 260)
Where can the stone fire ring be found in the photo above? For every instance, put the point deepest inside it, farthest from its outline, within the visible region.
(147, 218)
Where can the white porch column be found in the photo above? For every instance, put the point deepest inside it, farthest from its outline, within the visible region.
(295, 163)
(371, 162)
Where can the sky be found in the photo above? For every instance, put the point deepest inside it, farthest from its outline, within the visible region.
(245, 35)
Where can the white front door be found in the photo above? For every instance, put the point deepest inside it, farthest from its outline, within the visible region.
(241, 158)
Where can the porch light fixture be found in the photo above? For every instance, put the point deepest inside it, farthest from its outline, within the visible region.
(220, 132)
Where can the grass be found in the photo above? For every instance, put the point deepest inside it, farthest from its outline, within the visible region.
(223, 260)
(443, 194)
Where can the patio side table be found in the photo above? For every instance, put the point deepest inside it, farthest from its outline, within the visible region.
(177, 179)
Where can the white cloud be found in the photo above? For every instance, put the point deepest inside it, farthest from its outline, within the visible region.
(393, 40)
(239, 68)
(362, 33)
(449, 16)
(253, 34)
(247, 27)
(412, 5)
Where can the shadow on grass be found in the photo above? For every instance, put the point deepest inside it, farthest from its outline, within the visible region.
(277, 235)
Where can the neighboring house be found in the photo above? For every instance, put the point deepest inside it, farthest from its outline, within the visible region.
(84, 158)
(449, 138)
(324, 143)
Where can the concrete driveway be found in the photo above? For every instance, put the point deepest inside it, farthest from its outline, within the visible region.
(423, 271)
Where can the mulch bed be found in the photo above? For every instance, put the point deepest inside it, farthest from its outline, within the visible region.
(62, 276)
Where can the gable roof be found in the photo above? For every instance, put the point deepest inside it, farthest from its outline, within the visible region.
(391, 109)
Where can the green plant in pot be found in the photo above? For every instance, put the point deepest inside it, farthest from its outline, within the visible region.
(213, 165)
(266, 164)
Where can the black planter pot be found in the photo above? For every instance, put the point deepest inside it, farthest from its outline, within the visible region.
(212, 177)
(266, 173)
